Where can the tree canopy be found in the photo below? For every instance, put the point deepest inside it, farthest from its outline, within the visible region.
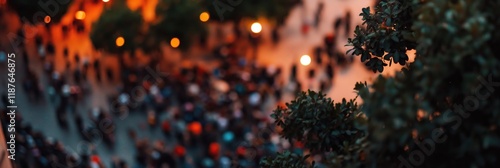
(276, 10)
(178, 18)
(439, 111)
(34, 11)
(117, 21)
(175, 19)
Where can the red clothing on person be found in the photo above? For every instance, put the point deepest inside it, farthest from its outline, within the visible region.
(214, 149)
(195, 128)
(96, 159)
(180, 151)
(165, 126)
(241, 151)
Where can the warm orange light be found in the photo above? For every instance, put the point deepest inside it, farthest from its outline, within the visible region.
(305, 60)
(175, 42)
(120, 41)
(256, 27)
(204, 16)
(47, 19)
(105, 0)
(80, 15)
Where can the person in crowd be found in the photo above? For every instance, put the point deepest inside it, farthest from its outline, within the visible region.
(65, 53)
(51, 49)
(347, 23)
(329, 42)
(293, 73)
(97, 69)
(317, 15)
(109, 74)
(275, 35)
(215, 116)
(77, 58)
(318, 55)
(336, 24)
(329, 71)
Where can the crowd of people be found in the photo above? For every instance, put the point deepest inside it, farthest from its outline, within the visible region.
(216, 117)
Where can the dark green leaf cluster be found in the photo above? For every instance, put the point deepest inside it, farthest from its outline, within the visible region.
(286, 159)
(319, 123)
(178, 18)
(450, 88)
(387, 35)
(276, 10)
(442, 110)
(114, 22)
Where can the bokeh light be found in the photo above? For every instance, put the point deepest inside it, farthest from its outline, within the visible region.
(175, 42)
(305, 60)
(120, 41)
(80, 15)
(47, 19)
(204, 16)
(105, 0)
(256, 27)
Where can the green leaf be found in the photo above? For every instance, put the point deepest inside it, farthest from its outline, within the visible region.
(396, 56)
(395, 38)
(366, 10)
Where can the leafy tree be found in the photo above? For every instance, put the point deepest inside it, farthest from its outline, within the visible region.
(34, 11)
(286, 159)
(439, 111)
(388, 34)
(235, 11)
(117, 21)
(335, 121)
(178, 18)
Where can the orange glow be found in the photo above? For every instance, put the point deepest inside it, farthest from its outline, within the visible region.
(175, 42)
(120, 41)
(256, 27)
(105, 0)
(305, 60)
(80, 15)
(204, 16)
(47, 19)
(195, 128)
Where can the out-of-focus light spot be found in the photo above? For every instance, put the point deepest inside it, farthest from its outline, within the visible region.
(80, 15)
(105, 0)
(305, 60)
(256, 27)
(120, 41)
(204, 16)
(47, 19)
(175, 42)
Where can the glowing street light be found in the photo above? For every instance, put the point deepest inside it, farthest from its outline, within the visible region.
(305, 60)
(256, 27)
(175, 42)
(120, 41)
(47, 19)
(105, 0)
(80, 15)
(204, 16)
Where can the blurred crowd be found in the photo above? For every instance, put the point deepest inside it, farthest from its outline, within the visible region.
(216, 117)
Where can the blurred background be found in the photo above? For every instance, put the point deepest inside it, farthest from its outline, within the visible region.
(169, 83)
